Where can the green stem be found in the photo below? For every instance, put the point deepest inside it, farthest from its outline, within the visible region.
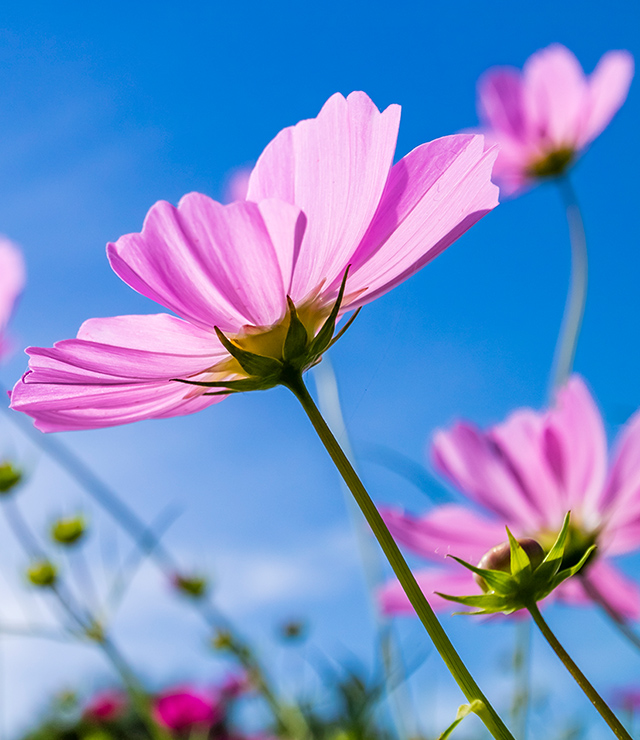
(582, 681)
(443, 645)
(577, 296)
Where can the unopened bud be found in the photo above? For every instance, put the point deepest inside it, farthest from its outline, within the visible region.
(499, 558)
(222, 640)
(293, 630)
(42, 574)
(9, 477)
(194, 586)
(68, 531)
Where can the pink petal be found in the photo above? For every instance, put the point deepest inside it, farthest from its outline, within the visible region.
(519, 441)
(576, 447)
(12, 280)
(434, 194)
(483, 472)
(83, 384)
(393, 600)
(446, 530)
(214, 265)
(500, 103)
(608, 89)
(334, 167)
(621, 593)
(620, 504)
(555, 92)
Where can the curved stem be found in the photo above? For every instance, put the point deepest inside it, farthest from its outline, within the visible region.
(582, 681)
(618, 620)
(574, 308)
(443, 645)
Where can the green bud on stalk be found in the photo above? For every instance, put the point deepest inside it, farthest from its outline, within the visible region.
(42, 574)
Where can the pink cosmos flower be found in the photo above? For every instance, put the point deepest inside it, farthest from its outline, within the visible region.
(527, 473)
(543, 117)
(183, 710)
(324, 195)
(12, 280)
(106, 706)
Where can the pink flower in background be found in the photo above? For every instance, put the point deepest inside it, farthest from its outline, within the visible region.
(324, 195)
(185, 709)
(543, 117)
(237, 184)
(106, 706)
(627, 698)
(527, 473)
(12, 280)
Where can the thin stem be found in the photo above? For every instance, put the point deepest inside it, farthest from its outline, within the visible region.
(84, 621)
(577, 296)
(461, 674)
(593, 696)
(391, 654)
(594, 593)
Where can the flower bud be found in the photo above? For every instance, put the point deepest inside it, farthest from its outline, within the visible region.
(222, 640)
(293, 630)
(42, 574)
(9, 477)
(499, 558)
(193, 586)
(68, 531)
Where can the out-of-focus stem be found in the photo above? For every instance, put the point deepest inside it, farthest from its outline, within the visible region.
(577, 296)
(594, 697)
(443, 645)
(521, 667)
(85, 622)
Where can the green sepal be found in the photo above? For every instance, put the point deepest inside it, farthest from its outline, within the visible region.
(464, 710)
(553, 560)
(244, 384)
(520, 562)
(350, 321)
(250, 362)
(297, 339)
(568, 572)
(494, 578)
(323, 338)
(489, 603)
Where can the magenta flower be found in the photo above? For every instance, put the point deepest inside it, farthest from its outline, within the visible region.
(543, 117)
(323, 196)
(12, 280)
(527, 473)
(183, 710)
(106, 706)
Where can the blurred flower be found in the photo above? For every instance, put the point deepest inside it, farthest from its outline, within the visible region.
(69, 530)
(42, 573)
(527, 473)
(193, 586)
(543, 117)
(234, 685)
(185, 709)
(106, 706)
(237, 185)
(12, 279)
(254, 282)
(10, 476)
(627, 698)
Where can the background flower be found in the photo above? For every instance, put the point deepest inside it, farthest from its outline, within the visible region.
(12, 280)
(543, 117)
(526, 474)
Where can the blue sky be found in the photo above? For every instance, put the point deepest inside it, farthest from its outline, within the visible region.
(108, 108)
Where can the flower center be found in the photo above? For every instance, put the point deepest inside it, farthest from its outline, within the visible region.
(554, 163)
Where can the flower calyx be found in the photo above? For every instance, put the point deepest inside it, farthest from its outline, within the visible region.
(193, 586)
(295, 354)
(521, 580)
